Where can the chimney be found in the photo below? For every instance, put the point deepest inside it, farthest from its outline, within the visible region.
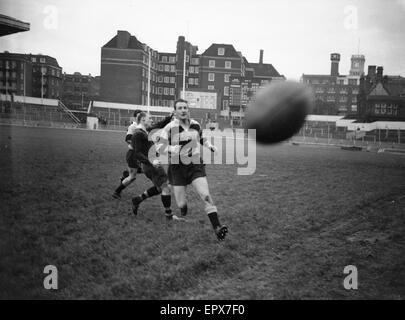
(122, 39)
(380, 73)
(261, 57)
(371, 71)
(334, 68)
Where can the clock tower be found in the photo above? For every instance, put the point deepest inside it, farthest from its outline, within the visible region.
(357, 67)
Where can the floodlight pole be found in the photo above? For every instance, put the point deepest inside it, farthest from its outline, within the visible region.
(149, 79)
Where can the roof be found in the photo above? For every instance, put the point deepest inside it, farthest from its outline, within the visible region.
(393, 85)
(133, 43)
(9, 25)
(230, 51)
(264, 70)
(319, 76)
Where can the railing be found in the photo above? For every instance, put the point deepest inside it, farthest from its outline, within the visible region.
(68, 112)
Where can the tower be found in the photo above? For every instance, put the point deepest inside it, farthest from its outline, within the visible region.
(357, 65)
(334, 68)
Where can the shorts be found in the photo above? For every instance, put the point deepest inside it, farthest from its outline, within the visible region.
(131, 161)
(183, 175)
(156, 174)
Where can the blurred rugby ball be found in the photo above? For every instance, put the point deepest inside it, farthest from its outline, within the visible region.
(278, 111)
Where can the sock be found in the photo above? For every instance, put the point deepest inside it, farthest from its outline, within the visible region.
(213, 216)
(120, 188)
(167, 201)
(183, 210)
(150, 193)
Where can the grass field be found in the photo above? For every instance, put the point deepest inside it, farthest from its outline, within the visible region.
(294, 225)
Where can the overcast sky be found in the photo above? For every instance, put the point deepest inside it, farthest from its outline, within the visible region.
(297, 36)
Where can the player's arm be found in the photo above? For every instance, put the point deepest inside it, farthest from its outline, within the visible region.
(161, 124)
(204, 141)
(164, 141)
(138, 141)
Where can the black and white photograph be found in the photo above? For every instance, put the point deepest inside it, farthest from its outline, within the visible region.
(202, 154)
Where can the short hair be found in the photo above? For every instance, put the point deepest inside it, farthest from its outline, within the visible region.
(140, 116)
(136, 112)
(179, 100)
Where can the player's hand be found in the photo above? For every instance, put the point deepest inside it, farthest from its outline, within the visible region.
(156, 163)
(175, 149)
(214, 149)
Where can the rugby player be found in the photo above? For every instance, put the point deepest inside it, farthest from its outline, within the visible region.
(182, 137)
(153, 170)
(128, 176)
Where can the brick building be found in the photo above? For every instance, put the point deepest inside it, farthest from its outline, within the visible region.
(381, 98)
(242, 88)
(336, 94)
(78, 90)
(124, 74)
(15, 74)
(30, 75)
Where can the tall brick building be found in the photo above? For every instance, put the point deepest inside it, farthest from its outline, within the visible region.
(30, 75)
(124, 74)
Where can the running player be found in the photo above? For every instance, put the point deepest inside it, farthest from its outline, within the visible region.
(152, 169)
(182, 137)
(128, 176)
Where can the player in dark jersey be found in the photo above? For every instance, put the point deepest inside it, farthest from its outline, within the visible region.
(152, 168)
(129, 176)
(182, 137)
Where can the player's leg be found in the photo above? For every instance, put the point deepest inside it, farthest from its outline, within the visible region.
(180, 197)
(201, 186)
(150, 173)
(128, 176)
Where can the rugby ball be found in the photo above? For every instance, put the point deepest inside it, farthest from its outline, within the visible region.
(278, 111)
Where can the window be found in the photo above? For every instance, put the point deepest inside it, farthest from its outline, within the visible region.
(196, 69)
(211, 77)
(228, 64)
(171, 103)
(165, 103)
(194, 61)
(160, 79)
(355, 91)
(226, 91)
(353, 82)
(160, 67)
(389, 109)
(43, 70)
(377, 108)
(211, 87)
(167, 79)
(226, 77)
(160, 90)
(394, 110)
(221, 51)
(225, 104)
(191, 69)
(13, 64)
(33, 59)
(164, 58)
(172, 79)
(167, 67)
(42, 60)
(190, 81)
(172, 91)
(196, 81)
(187, 58)
(211, 63)
(383, 108)
(173, 68)
(143, 72)
(166, 91)
(172, 59)
(160, 103)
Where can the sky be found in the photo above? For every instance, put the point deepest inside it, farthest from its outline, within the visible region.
(297, 36)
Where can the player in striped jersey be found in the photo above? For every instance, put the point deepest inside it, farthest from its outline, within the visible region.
(181, 139)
